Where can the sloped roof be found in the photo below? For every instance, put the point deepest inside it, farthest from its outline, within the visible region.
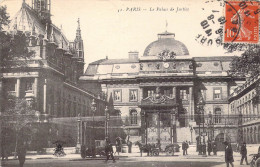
(26, 20)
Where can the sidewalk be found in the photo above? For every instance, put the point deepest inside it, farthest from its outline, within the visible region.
(192, 156)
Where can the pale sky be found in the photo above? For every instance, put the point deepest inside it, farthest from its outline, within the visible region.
(107, 31)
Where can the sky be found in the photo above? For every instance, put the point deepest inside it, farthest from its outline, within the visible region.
(114, 27)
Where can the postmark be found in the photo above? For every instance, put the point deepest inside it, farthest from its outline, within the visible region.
(242, 21)
(224, 25)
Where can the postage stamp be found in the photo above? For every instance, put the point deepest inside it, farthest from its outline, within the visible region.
(242, 22)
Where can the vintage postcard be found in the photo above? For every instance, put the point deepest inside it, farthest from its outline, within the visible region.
(129, 83)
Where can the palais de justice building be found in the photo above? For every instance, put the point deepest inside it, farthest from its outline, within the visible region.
(158, 92)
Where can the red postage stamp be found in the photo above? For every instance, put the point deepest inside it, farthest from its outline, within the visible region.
(242, 21)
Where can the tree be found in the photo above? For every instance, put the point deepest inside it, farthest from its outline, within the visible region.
(13, 53)
(248, 63)
(18, 116)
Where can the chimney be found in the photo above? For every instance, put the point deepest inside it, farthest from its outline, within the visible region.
(133, 55)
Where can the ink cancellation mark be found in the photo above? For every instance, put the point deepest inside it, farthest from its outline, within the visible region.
(242, 22)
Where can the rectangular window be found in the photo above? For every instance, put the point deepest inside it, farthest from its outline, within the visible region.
(29, 85)
(133, 95)
(183, 94)
(117, 95)
(217, 93)
(150, 93)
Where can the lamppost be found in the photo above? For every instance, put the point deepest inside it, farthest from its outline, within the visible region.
(78, 138)
(211, 126)
(191, 130)
(202, 147)
(106, 123)
(93, 108)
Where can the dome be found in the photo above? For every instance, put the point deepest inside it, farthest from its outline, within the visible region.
(166, 47)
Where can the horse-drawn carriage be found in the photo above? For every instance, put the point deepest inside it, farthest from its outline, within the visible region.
(155, 149)
(91, 152)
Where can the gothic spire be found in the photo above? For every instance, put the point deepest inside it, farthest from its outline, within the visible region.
(78, 34)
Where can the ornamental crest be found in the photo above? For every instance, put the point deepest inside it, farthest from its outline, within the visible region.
(166, 54)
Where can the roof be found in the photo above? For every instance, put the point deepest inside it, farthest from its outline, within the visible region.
(166, 42)
(27, 20)
(114, 61)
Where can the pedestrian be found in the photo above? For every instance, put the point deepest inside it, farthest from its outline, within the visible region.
(21, 153)
(186, 148)
(214, 147)
(243, 153)
(109, 150)
(183, 146)
(229, 159)
(118, 144)
(129, 143)
(209, 147)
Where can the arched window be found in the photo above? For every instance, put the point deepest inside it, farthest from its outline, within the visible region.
(217, 115)
(133, 117)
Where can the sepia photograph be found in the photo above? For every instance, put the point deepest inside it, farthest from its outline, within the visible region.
(129, 83)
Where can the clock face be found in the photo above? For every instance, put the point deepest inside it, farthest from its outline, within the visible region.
(166, 65)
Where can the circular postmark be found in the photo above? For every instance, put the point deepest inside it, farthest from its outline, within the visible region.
(231, 24)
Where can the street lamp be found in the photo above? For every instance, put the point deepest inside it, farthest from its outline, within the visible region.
(191, 130)
(211, 126)
(94, 109)
(106, 123)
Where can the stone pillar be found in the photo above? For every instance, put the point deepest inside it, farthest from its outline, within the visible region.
(45, 96)
(174, 92)
(173, 127)
(36, 87)
(18, 86)
(141, 93)
(78, 146)
(191, 102)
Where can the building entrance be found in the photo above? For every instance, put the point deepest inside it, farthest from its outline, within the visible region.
(159, 128)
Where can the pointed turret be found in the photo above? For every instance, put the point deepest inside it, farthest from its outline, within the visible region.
(79, 44)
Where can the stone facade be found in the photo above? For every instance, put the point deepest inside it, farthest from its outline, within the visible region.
(163, 88)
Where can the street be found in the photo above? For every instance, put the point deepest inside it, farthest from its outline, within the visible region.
(133, 160)
(126, 162)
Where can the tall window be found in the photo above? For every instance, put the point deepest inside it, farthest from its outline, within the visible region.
(133, 117)
(28, 85)
(217, 115)
(217, 93)
(133, 95)
(117, 95)
(183, 94)
(150, 92)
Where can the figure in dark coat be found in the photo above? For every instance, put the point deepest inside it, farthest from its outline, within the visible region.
(214, 147)
(109, 150)
(21, 153)
(183, 146)
(229, 159)
(209, 147)
(186, 147)
(243, 153)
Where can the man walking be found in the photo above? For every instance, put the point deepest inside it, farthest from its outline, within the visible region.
(243, 153)
(186, 148)
(183, 146)
(109, 150)
(229, 159)
(209, 147)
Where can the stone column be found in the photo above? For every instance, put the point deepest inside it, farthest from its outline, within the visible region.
(18, 86)
(174, 92)
(191, 102)
(141, 93)
(173, 127)
(45, 96)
